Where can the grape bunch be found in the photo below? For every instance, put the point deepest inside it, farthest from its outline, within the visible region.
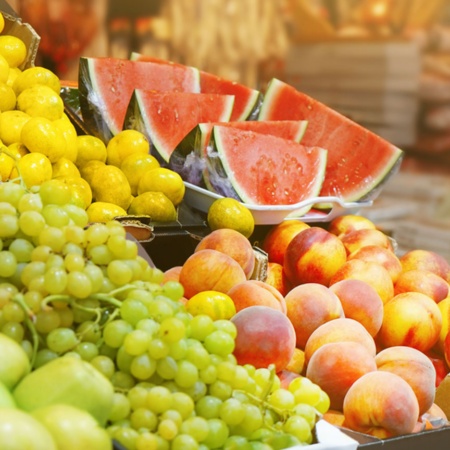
(70, 288)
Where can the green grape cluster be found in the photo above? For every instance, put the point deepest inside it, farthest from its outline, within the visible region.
(72, 288)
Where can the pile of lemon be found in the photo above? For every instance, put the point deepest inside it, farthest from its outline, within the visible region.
(38, 142)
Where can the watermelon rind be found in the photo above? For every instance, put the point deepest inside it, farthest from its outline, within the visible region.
(359, 161)
(106, 85)
(165, 118)
(261, 169)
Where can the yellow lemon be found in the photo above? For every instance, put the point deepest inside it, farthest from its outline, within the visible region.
(11, 124)
(230, 213)
(42, 135)
(163, 180)
(216, 305)
(88, 170)
(90, 148)
(155, 205)
(2, 22)
(104, 212)
(36, 75)
(70, 135)
(109, 184)
(135, 165)
(13, 50)
(7, 98)
(4, 69)
(6, 165)
(125, 143)
(17, 149)
(12, 75)
(41, 101)
(80, 190)
(65, 168)
(34, 169)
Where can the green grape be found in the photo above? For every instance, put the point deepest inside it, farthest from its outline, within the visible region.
(77, 215)
(173, 415)
(33, 300)
(281, 399)
(141, 418)
(47, 321)
(89, 331)
(159, 399)
(7, 208)
(323, 405)
(55, 216)
(54, 260)
(136, 342)
(14, 330)
(150, 441)
(95, 275)
(104, 365)
(196, 391)
(114, 332)
(159, 309)
(148, 325)
(87, 350)
(119, 272)
(241, 378)
(256, 445)
(186, 374)
(136, 270)
(197, 355)
(220, 389)
(142, 367)
(232, 411)
(78, 284)
(108, 351)
(298, 427)
(167, 429)
(27, 348)
(30, 202)
(308, 412)
(218, 433)
(173, 289)
(120, 409)
(166, 368)
(201, 326)
(133, 311)
(122, 381)
(236, 442)
(219, 342)
(11, 193)
(74, 261)
(54, 192)
(8, 263)
(61, 340)
(31, 223)
(209, 374)
(226, 371)
(123, 360)
(37, 284)
(21, 248)
(85, 309)
(208, 407)
(96, 234)
(71, 248)
(195, 426)
(137, 397)
(44, 356)
(253, 419)
(65, 316)
(41, 253)
(53, 237)
(158, 349)
(100, 255)
(115, 228)
(157, 276)
(227, 326)
(184, 442)
(183, 404)
(13, 312)
(55, 280)
(75, 234)
(306, 391)
(172, 329)
(117, 245)
(178, 349)
(9, 225)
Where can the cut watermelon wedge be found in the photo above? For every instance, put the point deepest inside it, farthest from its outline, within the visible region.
(261, 169)
(189, 158)
(106, 85)
(247, 100)
(165, 118)
(359, 161)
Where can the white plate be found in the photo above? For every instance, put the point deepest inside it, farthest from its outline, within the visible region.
(202, 199)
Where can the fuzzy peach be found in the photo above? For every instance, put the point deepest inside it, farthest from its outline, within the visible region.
(233, 244)
(309, 306)
(313, 256)
(360, 302)
(426, 260)
(255, 292)
(381, 404)
(172, 274)
(347, 223)
(210, 270)
(412, 319)
(277, 278)
(361, 238)
(444, 307)
(415, 368)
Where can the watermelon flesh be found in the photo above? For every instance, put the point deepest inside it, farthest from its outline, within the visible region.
(165, 118)
(359, 161)
(247, 100)
(107, 84)
(189, 159)
(260, 169)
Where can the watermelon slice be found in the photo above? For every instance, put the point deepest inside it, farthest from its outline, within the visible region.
(260, 169)
(359, 161)
(167, 117)
(247, 100)
(189, 158)
(106, 85)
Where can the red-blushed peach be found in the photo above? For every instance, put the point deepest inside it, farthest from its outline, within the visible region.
(444, 307)
(309, 306)
(265, 336)
(360, 302)
(334, 417)
(286, 376)
(424, 281)
(339, 330)
(172, 274)
(439, 364)
(336, 366)
(381, 404)
(255, 292)
(447, 349)
(412, 319)
(415, 368)
(372, 273)
(360, 238)
(382, 256)
(297, 362)
(233, 244)
(210, 270)
(426, 260)
(313, 256)
(277, 278)
(347, 223)
(277, 239)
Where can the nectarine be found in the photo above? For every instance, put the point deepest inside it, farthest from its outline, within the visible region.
(361, 238)
(426, 260)
(277, 278)
(347, 223)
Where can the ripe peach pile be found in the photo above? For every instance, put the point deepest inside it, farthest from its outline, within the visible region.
(340, 307)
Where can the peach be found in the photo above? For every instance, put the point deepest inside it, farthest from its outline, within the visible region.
(334, 417)
(424, 281)
(336, 366)
(372, 273)
(435, 412)
(361, 238)
(286, 376)
(447, 349)
(415, 368)
(309, 306)
(360, 302)
(345, 224)
(338, 330)
(277, 278)
(313, 256)
(210, 270)
(232, 243)
(264, 336)
(255, 292)
(412, 319)
(382, 256)
(381, 404)
(426, 260)
(297, 362)
(172, 274)
(278, 238)
(439, 364)
(444, 307)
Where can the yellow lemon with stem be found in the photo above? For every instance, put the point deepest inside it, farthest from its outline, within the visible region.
(34, 169)
(216, 305)
(41, 101)
(11, 124)
(124, 144)
(90, 148)
(13, 49)
(135, 165)
(104, 212)
(36, 75)
(155, 205)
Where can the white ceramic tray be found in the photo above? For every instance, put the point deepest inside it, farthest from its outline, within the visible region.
(202, 199)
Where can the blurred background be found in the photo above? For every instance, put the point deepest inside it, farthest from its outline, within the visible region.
(383, 63)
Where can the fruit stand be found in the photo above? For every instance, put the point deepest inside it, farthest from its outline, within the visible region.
(185, 263)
